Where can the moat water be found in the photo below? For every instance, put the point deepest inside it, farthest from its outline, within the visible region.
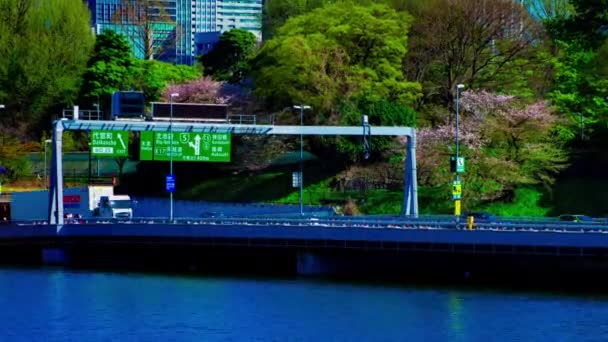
(61, 305)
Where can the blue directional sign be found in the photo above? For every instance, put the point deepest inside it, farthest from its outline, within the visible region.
(170, 182)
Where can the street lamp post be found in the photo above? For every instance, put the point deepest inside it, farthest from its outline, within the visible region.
(301, 108)
(47, 141)
(456, 176)
(171, 154)
(98, 109)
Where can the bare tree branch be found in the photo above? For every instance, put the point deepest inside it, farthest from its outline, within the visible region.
(149, 26)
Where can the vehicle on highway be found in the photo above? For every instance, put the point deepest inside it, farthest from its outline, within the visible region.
(576, 218)
(480, 216)
(73, 218)
(212, 214)
(118, 207)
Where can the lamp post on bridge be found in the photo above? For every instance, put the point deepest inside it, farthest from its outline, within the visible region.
(171, 154)
(458, 163)
(46, 142)
(301, 108)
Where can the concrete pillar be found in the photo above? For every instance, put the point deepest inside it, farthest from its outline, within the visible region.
(314, 264)
(54, 256)
(410, 181)
(56, 181)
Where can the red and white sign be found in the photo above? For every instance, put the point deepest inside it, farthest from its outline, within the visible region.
(71, 199)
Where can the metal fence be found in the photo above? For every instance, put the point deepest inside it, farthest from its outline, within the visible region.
(84, 114)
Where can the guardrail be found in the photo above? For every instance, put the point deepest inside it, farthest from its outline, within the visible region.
(83, 114)
(353, 222)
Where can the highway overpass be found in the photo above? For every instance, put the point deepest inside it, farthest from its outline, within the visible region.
(319, 246)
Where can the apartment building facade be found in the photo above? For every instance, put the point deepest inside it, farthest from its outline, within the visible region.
(174, 24)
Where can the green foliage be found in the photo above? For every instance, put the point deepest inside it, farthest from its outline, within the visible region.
(526, 202)
(580, 195)
(276, 12)
(110, 68)
(229, 60)
(44, 46)
(586, 25)
(71, 141)
(528, 77)
(333, 53)
(382, 202)
(380, 113)
(241, 188)
(152, 77)
(581, 86)
(12, 157)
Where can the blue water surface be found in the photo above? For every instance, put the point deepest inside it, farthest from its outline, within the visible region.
(62, 305)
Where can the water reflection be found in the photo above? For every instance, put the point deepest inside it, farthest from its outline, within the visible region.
(455, 304)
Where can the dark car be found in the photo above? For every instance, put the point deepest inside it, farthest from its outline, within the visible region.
(481, 216)
(575, 218)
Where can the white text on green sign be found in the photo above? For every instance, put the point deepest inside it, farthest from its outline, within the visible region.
(210, 147)
(110, 143)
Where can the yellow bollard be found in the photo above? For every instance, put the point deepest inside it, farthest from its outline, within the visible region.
(470, 222)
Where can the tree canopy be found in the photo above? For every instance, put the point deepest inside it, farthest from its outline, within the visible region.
(110, 66)
(335, 52)
(230, 57)
(44, 47)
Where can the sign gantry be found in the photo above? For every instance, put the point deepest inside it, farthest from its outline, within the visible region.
(410, 194)
(186, 146)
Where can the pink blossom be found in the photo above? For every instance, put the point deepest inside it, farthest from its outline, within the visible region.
(203, 90)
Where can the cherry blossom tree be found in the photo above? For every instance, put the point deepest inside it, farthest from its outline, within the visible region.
(207, 90)
(506, 143)
(202, 90)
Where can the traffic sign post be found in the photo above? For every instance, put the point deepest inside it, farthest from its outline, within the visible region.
(195, 147)
(296, 179)
(457, 164)
(170, 183)
(456, 190)
(110, 143)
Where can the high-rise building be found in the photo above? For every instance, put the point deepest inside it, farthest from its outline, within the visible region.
(167, 29)
(243, 14)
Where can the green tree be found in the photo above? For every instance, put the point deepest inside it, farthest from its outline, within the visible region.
(110, 68)
(380, 113)
(276, 12)
(587, 24)
(229, 60)
(44, 46)
(581, 86)
(333, 53)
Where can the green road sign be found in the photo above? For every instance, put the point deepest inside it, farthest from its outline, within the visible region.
(209, 147)
(457, 164)
(110, 143)
(460, 165)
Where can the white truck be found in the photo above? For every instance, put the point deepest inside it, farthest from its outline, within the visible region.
(114, 206)
(85, 202)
